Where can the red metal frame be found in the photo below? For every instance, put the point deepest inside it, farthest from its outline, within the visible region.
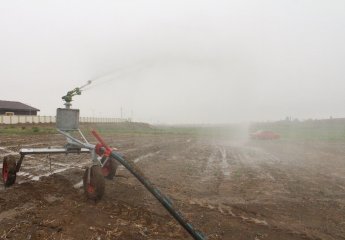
(5, 172)
(103, 150)
(101, 144)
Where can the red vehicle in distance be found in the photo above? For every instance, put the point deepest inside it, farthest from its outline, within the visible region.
(264, 135)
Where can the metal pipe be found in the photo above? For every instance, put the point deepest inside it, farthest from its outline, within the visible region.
(28, 151)
(100, 140)
(86, 145)
(82, 135)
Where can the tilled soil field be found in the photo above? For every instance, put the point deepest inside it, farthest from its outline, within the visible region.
(227, 189)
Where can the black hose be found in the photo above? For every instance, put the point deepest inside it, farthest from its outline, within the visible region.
(160, 197)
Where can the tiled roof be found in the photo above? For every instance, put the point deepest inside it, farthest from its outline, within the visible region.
(16, 106)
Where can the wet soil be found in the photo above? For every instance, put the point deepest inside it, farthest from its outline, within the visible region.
(229, 190)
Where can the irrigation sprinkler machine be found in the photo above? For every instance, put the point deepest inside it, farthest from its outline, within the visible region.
(103, 164)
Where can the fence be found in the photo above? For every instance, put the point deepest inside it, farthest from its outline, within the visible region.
(15, 119)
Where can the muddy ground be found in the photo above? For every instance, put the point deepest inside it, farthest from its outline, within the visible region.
(227, 189)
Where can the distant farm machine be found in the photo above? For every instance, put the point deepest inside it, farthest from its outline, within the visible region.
(104, 161)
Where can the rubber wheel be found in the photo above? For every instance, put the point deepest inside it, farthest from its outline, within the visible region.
(94, 190)
(109, 169)
(9, 173)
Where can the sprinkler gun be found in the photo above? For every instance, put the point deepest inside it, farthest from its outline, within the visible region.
(68, 98)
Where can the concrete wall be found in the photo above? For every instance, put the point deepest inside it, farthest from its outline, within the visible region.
(52, 119)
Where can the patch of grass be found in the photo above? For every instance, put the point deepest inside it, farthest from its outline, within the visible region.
(230, 131)
(26, 130)
(125, 128)
(311, 130)
(141, 128)
(35, 129)
(320, 130)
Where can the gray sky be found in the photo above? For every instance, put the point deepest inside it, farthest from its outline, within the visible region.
(178, 61)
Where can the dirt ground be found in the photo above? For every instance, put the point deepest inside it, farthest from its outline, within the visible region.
(227, 189)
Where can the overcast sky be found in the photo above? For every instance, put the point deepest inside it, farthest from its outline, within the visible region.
(178, 61)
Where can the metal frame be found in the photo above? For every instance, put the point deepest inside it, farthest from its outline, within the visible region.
(67, 121)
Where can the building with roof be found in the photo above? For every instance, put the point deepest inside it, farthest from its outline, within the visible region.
(16, 108)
